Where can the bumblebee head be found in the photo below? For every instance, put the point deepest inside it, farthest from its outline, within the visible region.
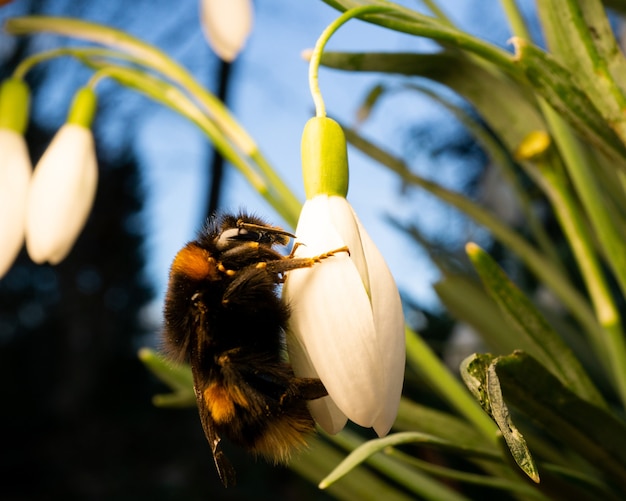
(236, 230)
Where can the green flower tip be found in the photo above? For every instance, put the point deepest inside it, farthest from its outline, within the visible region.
(324, 158)
(83, 107)
(14, 104)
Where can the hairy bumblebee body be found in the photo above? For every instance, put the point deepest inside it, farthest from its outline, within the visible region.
(223, 315)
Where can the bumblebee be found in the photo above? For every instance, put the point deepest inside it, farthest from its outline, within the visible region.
(223, 315)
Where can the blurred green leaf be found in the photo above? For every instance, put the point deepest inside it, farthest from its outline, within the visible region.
(177, 377)
(506, 106)
(415, 417)
(397, 471)
(539, 264)
(467, 301)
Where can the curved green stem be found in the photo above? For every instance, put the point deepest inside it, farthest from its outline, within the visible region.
(314, 63)
(27, 64)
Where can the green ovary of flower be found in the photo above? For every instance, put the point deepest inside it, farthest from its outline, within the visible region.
(14, 104)
(324, 158)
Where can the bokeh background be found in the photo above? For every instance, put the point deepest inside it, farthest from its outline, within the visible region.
(76, 418)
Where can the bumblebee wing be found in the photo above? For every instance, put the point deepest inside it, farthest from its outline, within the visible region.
(225, 469)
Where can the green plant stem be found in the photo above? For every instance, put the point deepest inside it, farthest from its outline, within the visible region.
(314, 63)
(426, 362)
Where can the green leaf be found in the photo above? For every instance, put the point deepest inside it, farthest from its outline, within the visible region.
(512, 436)
(409, 21)
(506, 106)
(477, 372)
(467, 301)
(541, 266)
(314, 463)
(596, 434)
(545, 343)
(415, 417)
(580, 37)
(474, 374)
(425, 487)
(177, 377)
(560, 88)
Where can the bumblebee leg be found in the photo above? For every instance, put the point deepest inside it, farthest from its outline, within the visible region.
(303, 388)
(250, 283)
(293, 249)
(294, 263)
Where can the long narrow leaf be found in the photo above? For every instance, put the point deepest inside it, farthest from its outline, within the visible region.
(313, 464)
(505, 105)
(421, 485)
(597, 435)
(535, 261)
(559, 87)
(409, 21)
(368, 449)
(580, 37)
(546, 344)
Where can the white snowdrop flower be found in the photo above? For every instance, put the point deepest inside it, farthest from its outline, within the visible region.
(226, 25)
(63, 186)
(346, 325)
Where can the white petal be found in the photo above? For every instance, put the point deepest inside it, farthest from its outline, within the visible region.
(332, 318)
(61, 195)
(345, 222)
(324, 410)
(226, 25)
(389, 322)
(15, 172)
